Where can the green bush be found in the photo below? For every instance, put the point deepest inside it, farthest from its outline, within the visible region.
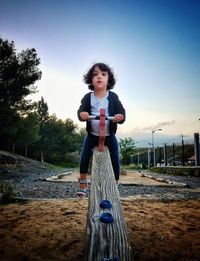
(7, 190)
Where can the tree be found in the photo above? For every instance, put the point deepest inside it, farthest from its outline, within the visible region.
(42, 111)
(80, 135)
(28, 131)
(43, 117)
(127, 147)
(59, 138)
(18, 73)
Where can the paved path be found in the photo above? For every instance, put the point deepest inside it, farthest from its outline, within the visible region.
(133, 185)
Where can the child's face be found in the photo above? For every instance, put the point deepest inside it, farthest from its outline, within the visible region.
(99, 79)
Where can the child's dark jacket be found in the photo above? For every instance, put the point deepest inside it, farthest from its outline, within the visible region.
(114, 107)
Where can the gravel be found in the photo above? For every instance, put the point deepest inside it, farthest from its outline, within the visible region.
(31, 184)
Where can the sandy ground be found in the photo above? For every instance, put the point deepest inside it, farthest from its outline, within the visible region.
(55, 229)
(131, 177)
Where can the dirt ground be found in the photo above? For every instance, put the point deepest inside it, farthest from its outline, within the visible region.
(55, 229)
(131, 177)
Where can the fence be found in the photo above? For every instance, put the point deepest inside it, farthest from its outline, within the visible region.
(184, 153)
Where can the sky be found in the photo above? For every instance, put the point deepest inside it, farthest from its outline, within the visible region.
(153, 47)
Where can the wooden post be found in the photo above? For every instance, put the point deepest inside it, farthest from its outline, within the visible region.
(196, 149)
(105, 240)
(165, 154)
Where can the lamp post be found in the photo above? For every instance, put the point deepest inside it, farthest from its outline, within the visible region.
(153, 147)
(138, 159)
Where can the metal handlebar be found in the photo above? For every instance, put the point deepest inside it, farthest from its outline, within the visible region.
(93, 117)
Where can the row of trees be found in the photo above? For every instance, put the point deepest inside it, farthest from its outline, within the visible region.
(47, 137)
(26, 126)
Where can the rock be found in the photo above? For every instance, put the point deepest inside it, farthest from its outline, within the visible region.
(123, 172)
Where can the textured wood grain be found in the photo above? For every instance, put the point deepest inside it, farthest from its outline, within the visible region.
(105, 240)
(102, 130)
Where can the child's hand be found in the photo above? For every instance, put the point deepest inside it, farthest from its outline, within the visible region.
(118, 117)
(84, 115)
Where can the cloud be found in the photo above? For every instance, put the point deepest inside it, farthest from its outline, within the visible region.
(162, 124)
(153, 127)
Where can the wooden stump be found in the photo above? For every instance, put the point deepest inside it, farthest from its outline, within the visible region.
(105, 240)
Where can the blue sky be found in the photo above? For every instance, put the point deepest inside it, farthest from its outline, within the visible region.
(153, 47)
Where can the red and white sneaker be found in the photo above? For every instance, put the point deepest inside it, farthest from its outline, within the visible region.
(81, 193)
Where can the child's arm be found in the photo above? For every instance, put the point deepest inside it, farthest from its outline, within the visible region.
(83, 111)
(84, 115)
(120, 116)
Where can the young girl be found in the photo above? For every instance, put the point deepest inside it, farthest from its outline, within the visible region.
(100, 80)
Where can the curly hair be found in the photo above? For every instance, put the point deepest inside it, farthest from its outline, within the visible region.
(87, 78)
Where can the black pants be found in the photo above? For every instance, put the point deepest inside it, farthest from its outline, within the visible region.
(90, 142)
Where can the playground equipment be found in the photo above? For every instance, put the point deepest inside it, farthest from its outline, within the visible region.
(106, 232)
(102, 119)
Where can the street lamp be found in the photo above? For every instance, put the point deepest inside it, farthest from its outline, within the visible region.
(153, 147)
(138, 159)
